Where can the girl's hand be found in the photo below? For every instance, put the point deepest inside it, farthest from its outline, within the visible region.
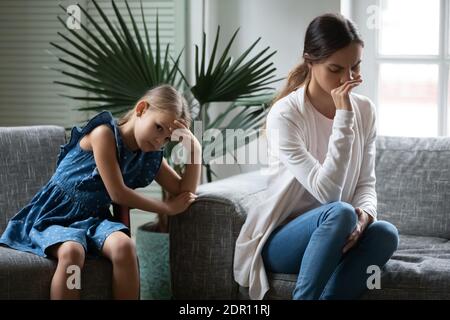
(179, 130)
(179, 203)
(363, 222)
(341, 95)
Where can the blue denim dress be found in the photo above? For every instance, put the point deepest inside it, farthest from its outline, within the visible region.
(74, 204)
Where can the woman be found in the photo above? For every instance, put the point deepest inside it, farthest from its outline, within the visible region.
(318, 218)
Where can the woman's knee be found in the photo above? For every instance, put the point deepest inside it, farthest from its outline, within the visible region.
(386, 234)
(343, 214)
(71, 253)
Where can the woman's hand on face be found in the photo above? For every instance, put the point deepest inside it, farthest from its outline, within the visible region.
(341, 95)
(179, 130)
(363, 222)
(179, 203)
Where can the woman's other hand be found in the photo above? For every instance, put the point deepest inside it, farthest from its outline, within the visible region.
(364, 219)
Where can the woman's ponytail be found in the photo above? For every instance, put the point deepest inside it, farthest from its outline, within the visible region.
(296, 78)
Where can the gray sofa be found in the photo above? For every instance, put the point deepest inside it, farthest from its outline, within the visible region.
(413, 186)
(27, 161)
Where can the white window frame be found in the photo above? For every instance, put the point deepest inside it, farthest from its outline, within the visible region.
(357, 11)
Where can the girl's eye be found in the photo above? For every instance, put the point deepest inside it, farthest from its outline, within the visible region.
(334, 70)
(159, 128)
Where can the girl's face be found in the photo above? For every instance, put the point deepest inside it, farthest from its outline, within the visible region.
(341, 66)
(152, 128)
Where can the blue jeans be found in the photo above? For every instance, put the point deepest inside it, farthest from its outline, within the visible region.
(311, 246)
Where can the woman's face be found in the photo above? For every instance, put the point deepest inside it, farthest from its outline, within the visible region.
(152, 128)
(341, 66)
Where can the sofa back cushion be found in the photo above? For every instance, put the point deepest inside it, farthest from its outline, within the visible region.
(413, 184)
(27, 161)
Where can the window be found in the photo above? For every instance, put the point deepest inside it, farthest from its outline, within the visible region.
(406, 64)
(27, 94)
(408, 99)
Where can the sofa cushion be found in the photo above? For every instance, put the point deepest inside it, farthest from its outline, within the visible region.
(420, 269)
(28, 276)
(413, 184)
(27, 161)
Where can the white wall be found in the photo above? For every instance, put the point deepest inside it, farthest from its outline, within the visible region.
(281, 24)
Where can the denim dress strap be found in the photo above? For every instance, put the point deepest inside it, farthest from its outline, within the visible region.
(104, 117)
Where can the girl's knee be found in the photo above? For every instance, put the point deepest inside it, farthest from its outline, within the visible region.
(123, 251)
(71, 253)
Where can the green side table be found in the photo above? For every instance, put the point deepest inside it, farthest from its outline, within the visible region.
(154, 265)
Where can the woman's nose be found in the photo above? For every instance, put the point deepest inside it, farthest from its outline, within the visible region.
(348, 75)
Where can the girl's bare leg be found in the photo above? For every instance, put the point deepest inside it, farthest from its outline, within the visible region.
(120, 249)
(69, 253)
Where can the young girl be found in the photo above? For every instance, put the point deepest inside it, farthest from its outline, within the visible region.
(319, 217)
(103, 163)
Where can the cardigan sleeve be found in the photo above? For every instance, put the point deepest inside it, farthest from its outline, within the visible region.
(365, 195)
(324, 181)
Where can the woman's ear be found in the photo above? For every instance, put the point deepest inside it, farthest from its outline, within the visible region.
(305, 57)
(141, 107)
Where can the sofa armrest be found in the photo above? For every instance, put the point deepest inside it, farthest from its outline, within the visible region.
(121, 214)
(202, 239)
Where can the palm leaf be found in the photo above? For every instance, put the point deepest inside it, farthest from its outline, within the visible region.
(116, 68)
(226, 81)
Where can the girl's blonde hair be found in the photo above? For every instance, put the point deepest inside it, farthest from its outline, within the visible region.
(164, 98)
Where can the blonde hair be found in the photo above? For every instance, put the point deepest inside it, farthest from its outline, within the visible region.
(164, 98)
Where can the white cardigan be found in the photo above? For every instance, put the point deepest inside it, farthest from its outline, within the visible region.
(297, 180)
